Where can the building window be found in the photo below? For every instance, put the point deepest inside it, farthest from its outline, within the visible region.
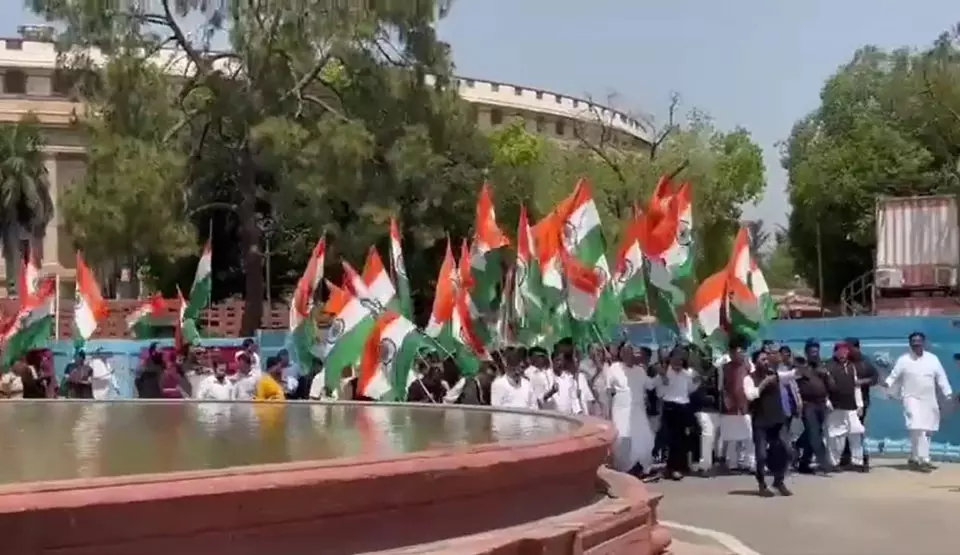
(623, 118)
(470, 83)
(539, 95)
(14, 44)
(558, 98)
(518, 91)
(561, 127)
(14, 82)
(496, 117)
(576, 102)
(495, 87)
(541, 124)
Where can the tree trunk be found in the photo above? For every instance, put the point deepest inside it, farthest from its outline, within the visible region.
(250, 246)
(9, 239)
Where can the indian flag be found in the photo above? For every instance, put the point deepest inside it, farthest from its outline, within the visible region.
(302, 327)
(469, 347)
(186, 332)
(709, 310)
(343, 343)
(378, 282)
(404, 298)
(749, 312)
(583, 239)
(584, 287)
(503, 331)
(202, 284)
(668, 248)
(89, 308)
(547, 237)
(628, 270)
(388, 358)
(142, 320)
(467, 283)
(444, 295)
(488, 241)
(527, 297)
(29, 279)
(32, 325)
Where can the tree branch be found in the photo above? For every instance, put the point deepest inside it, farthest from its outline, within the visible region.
(671, 126)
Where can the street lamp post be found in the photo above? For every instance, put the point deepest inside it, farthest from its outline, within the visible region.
(266, 226)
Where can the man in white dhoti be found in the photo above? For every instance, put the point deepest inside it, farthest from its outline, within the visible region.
(843, 420)
(919, 376)
(627, 384)
(736, 429)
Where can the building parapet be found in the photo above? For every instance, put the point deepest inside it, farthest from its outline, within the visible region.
(28, 55)
(522, 97)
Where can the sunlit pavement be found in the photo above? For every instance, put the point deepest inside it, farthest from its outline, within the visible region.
(890, 511)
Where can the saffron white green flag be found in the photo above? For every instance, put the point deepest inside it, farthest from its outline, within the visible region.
(202, 284)
(342, 345)
(404, 297)
(583, 239)
(386, 368)
(668, 248)
(753, 308)
(89, 308)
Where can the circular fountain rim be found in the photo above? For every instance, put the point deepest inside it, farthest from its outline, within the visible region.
(590, 433)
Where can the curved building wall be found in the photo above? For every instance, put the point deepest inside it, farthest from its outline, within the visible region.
(30, 83)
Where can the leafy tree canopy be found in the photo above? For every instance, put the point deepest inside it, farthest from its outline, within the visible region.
(887, 125)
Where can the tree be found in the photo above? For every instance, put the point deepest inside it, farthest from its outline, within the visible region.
(725, 169)
(886, 126)
(26, 206)
(778, 265)
(757, 236)
(348, 86)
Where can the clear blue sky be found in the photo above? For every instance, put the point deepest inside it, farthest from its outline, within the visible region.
(754, 63)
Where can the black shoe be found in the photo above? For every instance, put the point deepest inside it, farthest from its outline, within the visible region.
(929, 466)
(805, 469)
(782, 490)
(764, 491)
(863, 469)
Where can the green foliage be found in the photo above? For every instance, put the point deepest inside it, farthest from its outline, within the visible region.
(778, 265)
(129, 206)
(25, 200)
(328, 121)
(887, 125)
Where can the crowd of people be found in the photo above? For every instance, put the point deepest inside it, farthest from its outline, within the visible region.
(677, 412)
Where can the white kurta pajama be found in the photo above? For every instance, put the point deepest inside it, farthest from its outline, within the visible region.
(918, 379)
(736, 434)
(626, 388)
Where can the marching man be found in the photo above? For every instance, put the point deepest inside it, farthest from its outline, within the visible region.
(918, 375)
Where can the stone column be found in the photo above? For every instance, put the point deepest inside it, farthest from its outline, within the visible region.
(51, 246)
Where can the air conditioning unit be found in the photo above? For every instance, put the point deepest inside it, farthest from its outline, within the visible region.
(888, 279)
(946, 276)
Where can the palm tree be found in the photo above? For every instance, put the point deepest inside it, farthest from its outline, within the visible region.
(26, 206)
(757, 236)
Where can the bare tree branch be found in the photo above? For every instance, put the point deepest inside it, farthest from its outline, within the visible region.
(661, 136)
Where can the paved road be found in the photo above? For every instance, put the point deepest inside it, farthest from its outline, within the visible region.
(890, 511)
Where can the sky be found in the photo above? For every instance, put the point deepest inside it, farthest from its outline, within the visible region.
(758, 64)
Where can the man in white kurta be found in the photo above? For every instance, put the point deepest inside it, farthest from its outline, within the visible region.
(919, 376)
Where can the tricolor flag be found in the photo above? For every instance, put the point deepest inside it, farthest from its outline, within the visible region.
(28, 281)
(404, 297)
(667, 244)
(378, 282)
(202, 284)
(528, 305)
(186, 331)
(386, 367)
(584, 288)
(444, 296)
(343, 342)
(628, 269)
(709, 310)
(31, 327)
(485, 257)
(142, 321)
(302, 326)
(89, 308)
(583, 239)
(752, 307)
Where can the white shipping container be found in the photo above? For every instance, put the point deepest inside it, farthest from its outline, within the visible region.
(918, 236)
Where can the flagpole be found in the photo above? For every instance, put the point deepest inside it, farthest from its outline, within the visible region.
(210, 298)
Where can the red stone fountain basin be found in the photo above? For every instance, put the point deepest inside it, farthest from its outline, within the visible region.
(492, 498)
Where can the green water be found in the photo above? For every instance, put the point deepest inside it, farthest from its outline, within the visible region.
(58, 440)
